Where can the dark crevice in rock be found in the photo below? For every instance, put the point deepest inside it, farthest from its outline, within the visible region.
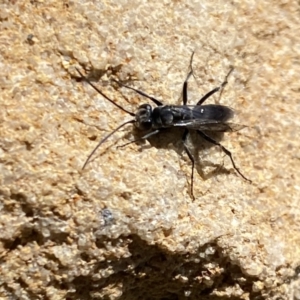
(153, 273)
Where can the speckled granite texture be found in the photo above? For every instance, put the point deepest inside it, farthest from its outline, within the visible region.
(126, 227)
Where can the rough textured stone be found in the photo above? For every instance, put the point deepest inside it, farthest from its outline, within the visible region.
(126, 227)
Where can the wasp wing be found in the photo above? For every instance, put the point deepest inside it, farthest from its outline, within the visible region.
(209, 125)
(211, 117)
(214, 112)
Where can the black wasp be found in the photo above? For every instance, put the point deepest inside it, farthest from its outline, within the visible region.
(201, 118)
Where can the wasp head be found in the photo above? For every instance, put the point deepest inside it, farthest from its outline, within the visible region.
(143, 117)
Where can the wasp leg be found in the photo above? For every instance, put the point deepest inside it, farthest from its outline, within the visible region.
(141, 138)
(226, 151)
(188, 152)
(184, 88)
(221, 87)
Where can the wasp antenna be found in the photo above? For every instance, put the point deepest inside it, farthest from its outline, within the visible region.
(104, 140)
(103, 95)
(154, 100)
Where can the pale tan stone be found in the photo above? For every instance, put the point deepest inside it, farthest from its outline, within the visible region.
(126, 227)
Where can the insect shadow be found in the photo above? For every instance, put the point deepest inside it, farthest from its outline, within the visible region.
(171, 139)
(199, 118)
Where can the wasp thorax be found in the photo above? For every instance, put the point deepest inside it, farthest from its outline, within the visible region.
(167, 118)
(143, 117)
(163, 117)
